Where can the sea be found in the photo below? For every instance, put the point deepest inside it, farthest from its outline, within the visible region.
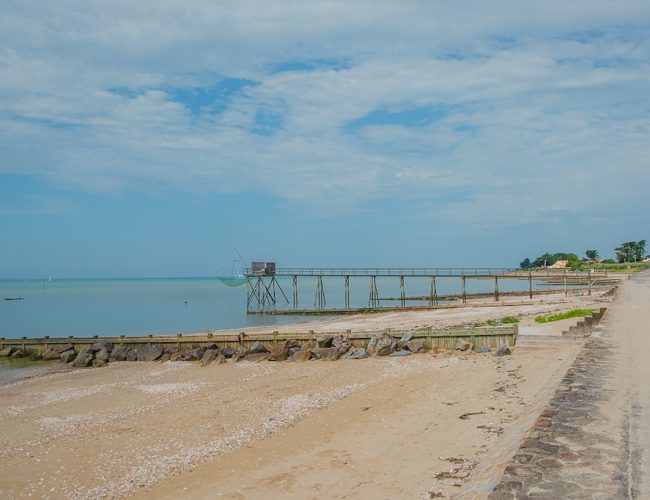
(158, 306)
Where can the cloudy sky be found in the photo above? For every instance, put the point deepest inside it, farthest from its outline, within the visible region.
(152, 138)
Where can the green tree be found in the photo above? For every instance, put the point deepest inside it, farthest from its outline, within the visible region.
(545, 260)
(592, 255)
(526, 264)
(630, 251)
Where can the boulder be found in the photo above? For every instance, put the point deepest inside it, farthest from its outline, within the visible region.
(6, 352)
(381, 344)
(98, 363)
(238, 356)
(279, 352)
(257, 348)
(37, 356)
(209, 356)
(68, 356)
(102, 355)
(211, 345)
(149, 353)
(482, 349)
(415, 345)
(463, 345)
(407, 337)
(18, 353)
(177, 356)
(301, 356)
(399, 354)
(342, 343)
(98, 346)
(132, 355)
(61, 348)
(50, 355)
(119, 353)
(325, 353)
(503, 350)
(324, 341)
(220, 359)
(256, 357)
(164, 357)
(227, 352)
(195, 354)
(356, 353)
(83, 359)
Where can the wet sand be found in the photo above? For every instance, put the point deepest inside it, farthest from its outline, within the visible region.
(388, 427)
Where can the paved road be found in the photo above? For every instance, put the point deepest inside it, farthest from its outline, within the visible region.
(593, 438)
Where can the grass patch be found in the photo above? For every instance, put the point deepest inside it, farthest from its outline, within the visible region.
(506, 320)
(574, 313)
(509, 320)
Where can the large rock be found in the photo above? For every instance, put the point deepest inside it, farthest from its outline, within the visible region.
(415, 345)
(407, 337)
(256, 357)
(83, 359)
(6, 352)
(463, 345)
(220, 360)
(342, 343)
(355, 353)
(165, 357)
(227, 352)
(326, 353)
(209, 356)
(503, 350)
(301, 356)
(98, 346)
(50, 355)
(257, 348)
(381, 345)
(132, 355)
(120, 353)
(211, 345)
(149, 353)
(18, 353)
(98, 363)
(399, 354)
(61, 348)
(102, 355)
(68, 356)
(324, 341)
(176, 356)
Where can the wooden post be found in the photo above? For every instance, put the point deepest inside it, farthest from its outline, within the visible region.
(566, 291)
(294, 284)
(530, 284)
(589, 282)
(462, 279)
(496, 289)
(402, 295)
(346, 279)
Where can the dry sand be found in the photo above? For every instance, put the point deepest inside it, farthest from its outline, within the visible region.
(374, 428)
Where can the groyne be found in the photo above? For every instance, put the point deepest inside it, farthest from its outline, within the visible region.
(480, 336)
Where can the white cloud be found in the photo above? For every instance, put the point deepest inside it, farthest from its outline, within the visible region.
(538, 96)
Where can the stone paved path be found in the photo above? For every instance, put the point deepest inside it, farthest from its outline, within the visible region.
(593, 438)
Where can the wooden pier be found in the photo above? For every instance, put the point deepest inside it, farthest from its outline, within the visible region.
(265, 293)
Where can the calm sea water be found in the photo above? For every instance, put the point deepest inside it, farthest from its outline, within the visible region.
(112, 307)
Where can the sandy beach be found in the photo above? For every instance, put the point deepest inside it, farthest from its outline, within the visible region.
(376, 428)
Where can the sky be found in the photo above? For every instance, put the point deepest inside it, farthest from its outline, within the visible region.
(154, 138)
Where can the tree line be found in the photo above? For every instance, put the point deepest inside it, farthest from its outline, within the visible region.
(630, 251)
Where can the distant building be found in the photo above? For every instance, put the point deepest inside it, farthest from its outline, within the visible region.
(559, 264)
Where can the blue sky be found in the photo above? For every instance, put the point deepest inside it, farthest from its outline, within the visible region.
(152, 141)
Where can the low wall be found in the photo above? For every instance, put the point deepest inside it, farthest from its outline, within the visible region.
(441, 338)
